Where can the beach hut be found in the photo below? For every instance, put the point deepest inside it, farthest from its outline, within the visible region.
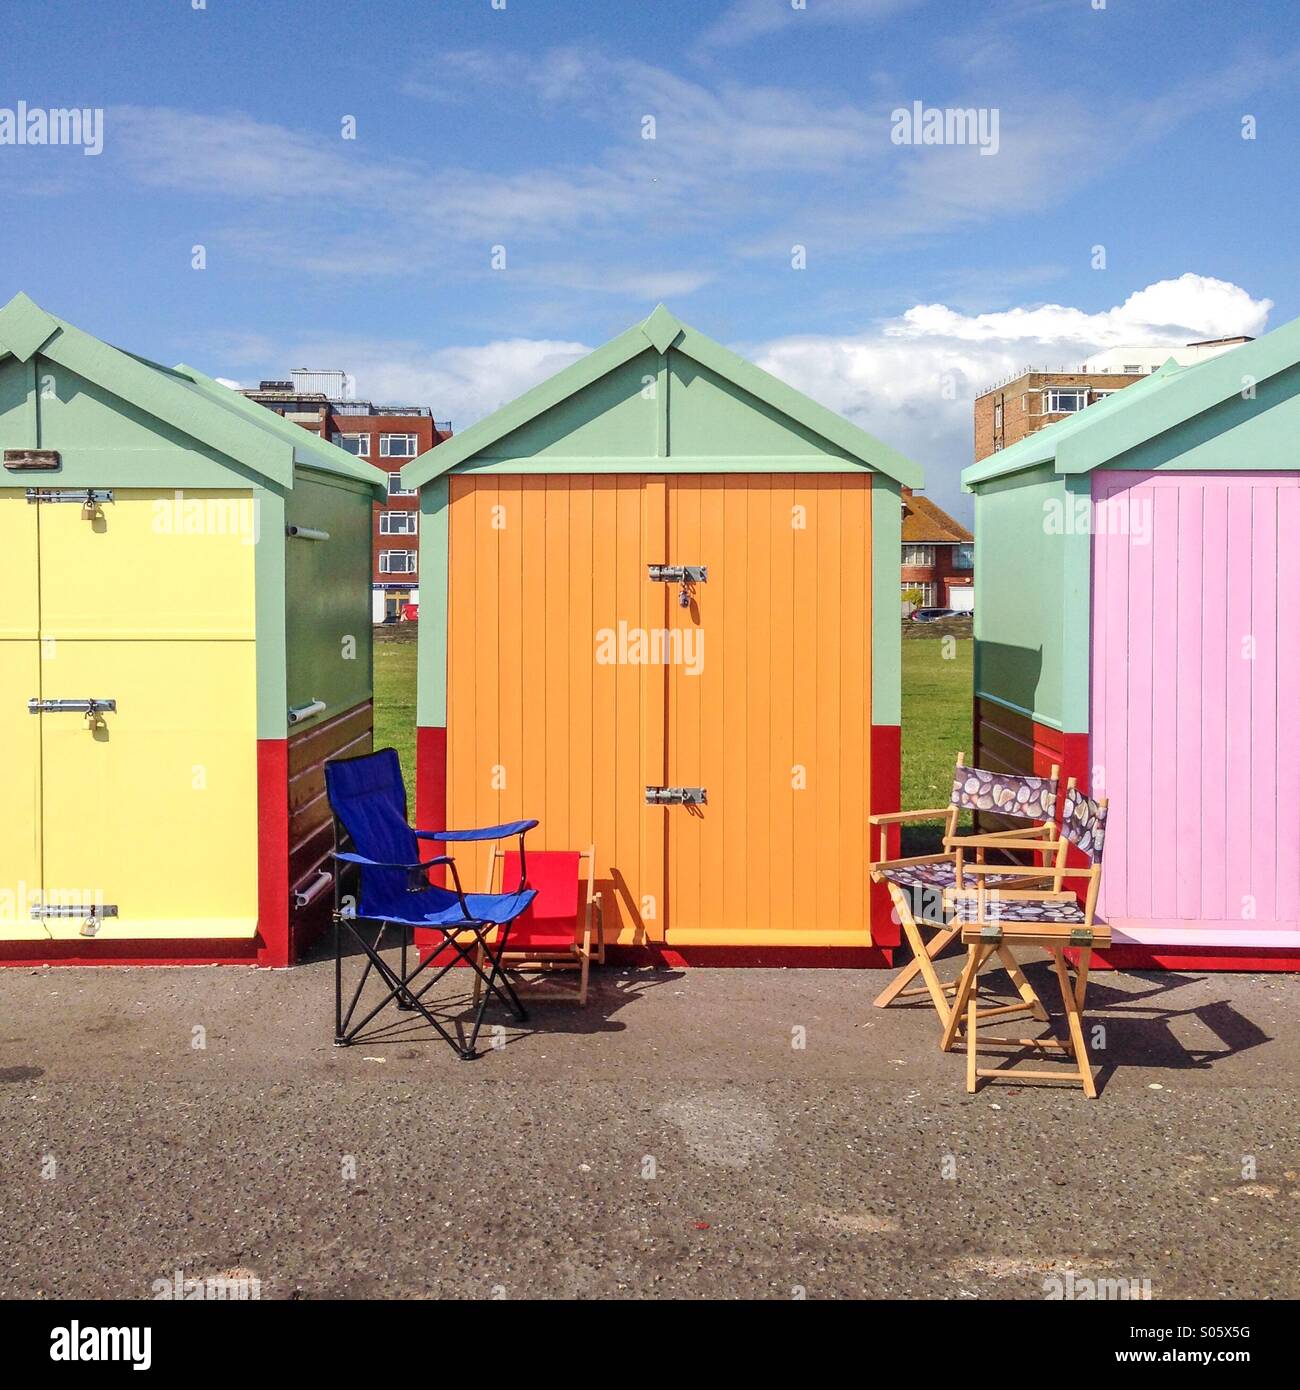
(184, 638)
(660, 612)
(1137, 568)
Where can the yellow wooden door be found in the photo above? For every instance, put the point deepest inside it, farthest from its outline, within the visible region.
(151, 807)
(20, 805)
(550, 712)
(769, 709)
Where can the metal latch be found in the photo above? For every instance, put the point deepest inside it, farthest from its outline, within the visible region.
(85, 496)
(94, 708)
(685, 575)
(91, 914)
(679, 574)
(676, 796)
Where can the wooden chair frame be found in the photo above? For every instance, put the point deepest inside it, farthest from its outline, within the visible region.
(579, 956)
(1032, 838)
(986, 934)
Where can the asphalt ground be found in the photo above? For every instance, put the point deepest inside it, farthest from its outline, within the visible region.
(692, 1134)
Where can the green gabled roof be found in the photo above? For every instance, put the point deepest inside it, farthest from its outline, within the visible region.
(659, 332)
(1134, 414)
(180, 397)
(310, 450)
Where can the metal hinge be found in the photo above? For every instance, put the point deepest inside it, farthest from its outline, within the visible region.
(676, 796)
(1081, 936)
(91, 707)
(679, 574)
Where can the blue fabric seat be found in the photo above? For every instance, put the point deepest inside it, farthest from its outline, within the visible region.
(368, 799)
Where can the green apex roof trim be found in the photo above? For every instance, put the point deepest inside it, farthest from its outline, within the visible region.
(1132, 415)
(182, 398)
(661, 331)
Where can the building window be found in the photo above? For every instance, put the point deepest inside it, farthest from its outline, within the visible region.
(963, 557)
(397, 446)
(1065, 402)
(356, 444)
(1134, 369)
(397, 562)
(395, 488)
(927, 592)
(922, 556)
(396, 523)
(997, 415)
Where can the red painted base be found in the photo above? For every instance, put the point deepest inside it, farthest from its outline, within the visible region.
(886, 791)
(1227, 958)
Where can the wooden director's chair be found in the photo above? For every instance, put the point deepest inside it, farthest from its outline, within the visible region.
(556, 930)
(917, 884)
(1004, 919)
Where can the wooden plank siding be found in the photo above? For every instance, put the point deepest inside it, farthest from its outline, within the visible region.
(1195, 699)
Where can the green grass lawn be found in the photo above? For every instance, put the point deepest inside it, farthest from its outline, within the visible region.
(936, 726)
(936, 716)
(395, 702)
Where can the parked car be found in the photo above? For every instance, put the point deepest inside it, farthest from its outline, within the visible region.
(934, 615)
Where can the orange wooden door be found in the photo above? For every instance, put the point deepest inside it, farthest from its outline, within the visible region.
(575, 682)
(769, 710)
(547, 714)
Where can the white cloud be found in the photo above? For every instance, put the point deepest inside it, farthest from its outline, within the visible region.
(912, 380)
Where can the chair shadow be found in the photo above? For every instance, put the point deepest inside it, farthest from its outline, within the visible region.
(1136, 1032)
(451, 999)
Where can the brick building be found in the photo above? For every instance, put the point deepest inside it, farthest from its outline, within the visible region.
(385, 435)
(1022, 404)
(938, 555)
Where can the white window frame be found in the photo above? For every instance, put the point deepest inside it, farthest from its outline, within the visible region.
(409, 520)
(387, 557)
(362, 453)
(912, 550)
(1055, 394)
(386, 450)
(395, 488)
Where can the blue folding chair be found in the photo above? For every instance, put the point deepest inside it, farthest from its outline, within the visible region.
(368, 799)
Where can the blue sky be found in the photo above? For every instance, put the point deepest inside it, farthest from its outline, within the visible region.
(930, 270)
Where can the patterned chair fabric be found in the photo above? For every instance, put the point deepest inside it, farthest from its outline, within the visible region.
(1084, 823)
(999, 909)
(942, 874)
(1026, 798)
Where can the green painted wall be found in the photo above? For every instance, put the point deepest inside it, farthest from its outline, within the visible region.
(1020, 627)
(327, 595)
(431, 656)
(1237, 434)
(886, 608)
(663, 407)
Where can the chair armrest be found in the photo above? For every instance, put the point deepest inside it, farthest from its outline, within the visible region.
(897, 817)
(349, 858)
(1030, 832)
(959, 842)
(1027, 871)
(875, 866)
(484, 832)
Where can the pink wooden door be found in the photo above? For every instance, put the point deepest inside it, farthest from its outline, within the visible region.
(1196, 705)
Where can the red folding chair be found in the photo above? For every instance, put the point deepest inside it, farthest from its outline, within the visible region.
(556, 930)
